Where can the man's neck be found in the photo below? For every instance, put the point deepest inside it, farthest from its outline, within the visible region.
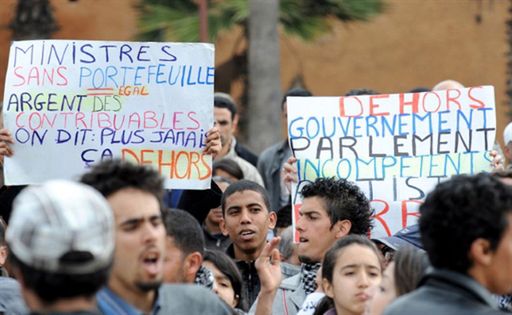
(141, 300)
(240, 255)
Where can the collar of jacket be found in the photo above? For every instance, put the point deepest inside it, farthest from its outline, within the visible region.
(463, 282)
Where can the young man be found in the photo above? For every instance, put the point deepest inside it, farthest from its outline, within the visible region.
(185, 250)
(246, 219)
(466, 229)
(134, 286)
(331, 208)
(226, 119)
(61, 241)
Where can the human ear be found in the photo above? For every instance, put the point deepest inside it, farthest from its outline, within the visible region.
(272, 219)
(480, 252)
(342, 228)
(327, 287)
(222, 226)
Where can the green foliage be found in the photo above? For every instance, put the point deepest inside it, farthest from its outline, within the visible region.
(177, 20)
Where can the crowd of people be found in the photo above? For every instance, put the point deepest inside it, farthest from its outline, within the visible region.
(117, 242)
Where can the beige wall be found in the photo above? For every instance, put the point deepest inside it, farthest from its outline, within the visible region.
(414, 43)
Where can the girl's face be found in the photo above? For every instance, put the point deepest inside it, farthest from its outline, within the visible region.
(385, 293)
(356, 274)
(222, 285)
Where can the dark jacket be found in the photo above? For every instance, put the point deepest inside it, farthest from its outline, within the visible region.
(444, 292)
(246, 154)
(250, 279)
(215, 241)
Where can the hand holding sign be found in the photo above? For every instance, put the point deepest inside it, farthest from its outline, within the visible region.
(80, 102)
(5, 143)
(395, 147)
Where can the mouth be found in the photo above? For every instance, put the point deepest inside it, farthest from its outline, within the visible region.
(151, 262)
(303, 240)
(362, 296)
(247, 235)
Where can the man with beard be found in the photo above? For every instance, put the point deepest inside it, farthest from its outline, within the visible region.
(134, 286)
(331, 209)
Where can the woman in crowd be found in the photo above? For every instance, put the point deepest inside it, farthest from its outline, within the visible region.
(351, 271)
(228, 281)
(401, 276)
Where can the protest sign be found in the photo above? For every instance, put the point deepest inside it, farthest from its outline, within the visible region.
(395, 147)
(70, 104)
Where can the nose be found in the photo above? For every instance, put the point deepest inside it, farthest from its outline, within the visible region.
(151, 232)
(245, 217)
(364, 279)
(300, 224)
(215, 287)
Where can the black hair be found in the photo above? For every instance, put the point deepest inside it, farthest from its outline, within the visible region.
(223, 100)
(361, 91)
(3, 227)
(185, 230)
(331, 257)
(284, 216)
(410, 266)
(229, 166)
(419, 89)
(228, 268)
(243, 185)
(294, 92)
(53, 286)
(110, 176)
(343, 201)
(459, 211)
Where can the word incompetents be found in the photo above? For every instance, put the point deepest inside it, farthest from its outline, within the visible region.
(379, 168)
(140, 66)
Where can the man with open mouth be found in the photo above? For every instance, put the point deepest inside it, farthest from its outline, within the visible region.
(331, 209)
(135, 283)
(246, 219)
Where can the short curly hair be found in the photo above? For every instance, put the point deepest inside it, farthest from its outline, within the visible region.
(343, 201)
(459, 211)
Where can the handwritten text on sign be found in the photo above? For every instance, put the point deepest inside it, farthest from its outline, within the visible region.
(395, 147)
(70, 104)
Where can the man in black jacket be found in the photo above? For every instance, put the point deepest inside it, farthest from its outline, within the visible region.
(466, 228)
(246, 219)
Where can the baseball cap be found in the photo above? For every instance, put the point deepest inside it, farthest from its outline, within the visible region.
(62, 227)
(507, 134)
(409, 236)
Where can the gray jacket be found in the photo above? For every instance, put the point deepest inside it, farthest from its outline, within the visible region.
(444, 292)
(11, 301)
(190, 299)
(269, 165)
(289, 297)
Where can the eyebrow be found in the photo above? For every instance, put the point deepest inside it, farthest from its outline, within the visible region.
(222, 277)
(131, 221)
(138, 220)
(309, 211)
(359, 265)
(249, 205)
